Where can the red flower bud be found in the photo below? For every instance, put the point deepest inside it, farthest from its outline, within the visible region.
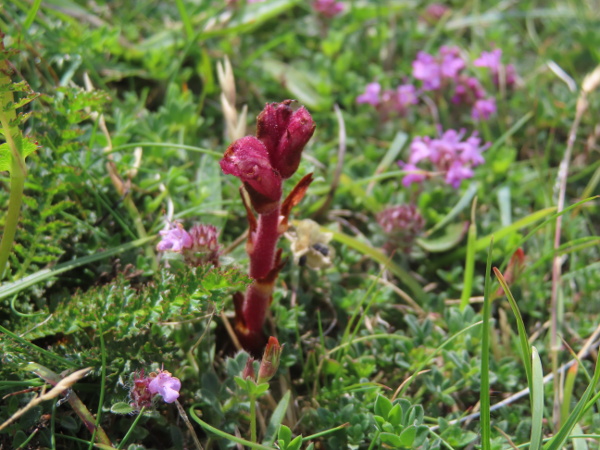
(247, 159)
(284, 133)
(270, 361)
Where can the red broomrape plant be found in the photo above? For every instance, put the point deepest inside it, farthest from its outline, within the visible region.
(262, 163)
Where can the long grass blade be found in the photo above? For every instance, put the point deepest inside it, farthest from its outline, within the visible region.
(486, 426)
(537, 400)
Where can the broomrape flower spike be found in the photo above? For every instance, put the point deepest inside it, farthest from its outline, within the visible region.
(262, 163)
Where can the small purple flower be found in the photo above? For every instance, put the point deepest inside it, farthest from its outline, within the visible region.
(427, 69)
(470, 151)
(451, 63)
(401, 225)
(483, 109)
(435, 12)
(407, 95)
(165, 385)
(329, 8)
(415, 174)
(491, 60)
(419, 149)
(467, 91)
(456, 173)
(448, 154)
(371, 95)
(175, 239)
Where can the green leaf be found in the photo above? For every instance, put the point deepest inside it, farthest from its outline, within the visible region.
(407, 437)
(451, 238)
(295, 444)
(537, 400)
(121, 408)
(276, 419)
(391, 439)
(284, 435)
(383, 406)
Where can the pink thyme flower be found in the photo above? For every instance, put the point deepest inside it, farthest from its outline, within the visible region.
(492, 61)
(174, 238)
(448, 154)
(427, 69)
(371, 95)
(329, 8)
(483, 109)
(401, 225)
(435, 12)
(433, 71)
(451, 62)
(166, 385)
(414, 175)
(407, 95)
(467, 91)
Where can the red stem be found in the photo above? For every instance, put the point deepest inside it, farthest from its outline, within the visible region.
(262, 261)
(262, 257)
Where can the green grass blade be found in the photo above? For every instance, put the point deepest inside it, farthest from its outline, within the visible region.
(470, 260)
(15, 287)
(537, 400)
(582, 406)
(31, 14)
(486, 426)
(276, 419)
(224, 435)
(456, 209)
(378, 256)
(525, 347)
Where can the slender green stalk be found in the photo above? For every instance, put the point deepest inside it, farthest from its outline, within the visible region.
(18, 171)
(102, 380)
(253, 437)
(486, 427)
(185, 18)
(470, 260)
(225, 435)
(31, 14)
(374, 441)
(131, 428)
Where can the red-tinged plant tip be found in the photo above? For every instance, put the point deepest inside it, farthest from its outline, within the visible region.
(270, 360)
(285, 133)
(248, 371)
(247, 159)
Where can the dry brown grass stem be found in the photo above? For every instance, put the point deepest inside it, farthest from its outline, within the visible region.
(590, 83)
(235, 123)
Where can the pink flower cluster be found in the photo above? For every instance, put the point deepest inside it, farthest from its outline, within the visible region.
(397, 100)
(328, 8)
(401, 225)
(448, 154)
(492, 61)
(444, 72)
(145, 389)
(199, 246)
